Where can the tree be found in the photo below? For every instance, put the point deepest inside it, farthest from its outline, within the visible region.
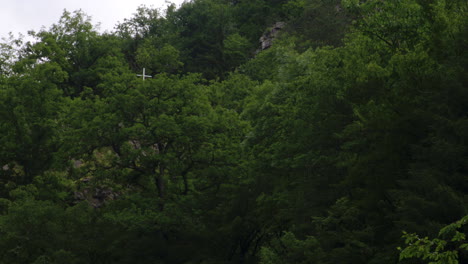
(449, 248)
(30, 106)
(75, 45)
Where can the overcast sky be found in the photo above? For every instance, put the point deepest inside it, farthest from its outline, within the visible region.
(23, 15)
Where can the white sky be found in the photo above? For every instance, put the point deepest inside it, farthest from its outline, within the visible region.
(19, 16)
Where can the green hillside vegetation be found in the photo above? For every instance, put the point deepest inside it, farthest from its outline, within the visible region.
(346, 141)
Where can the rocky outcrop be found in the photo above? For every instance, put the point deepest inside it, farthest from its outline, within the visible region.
(96, 196)
(267, 39)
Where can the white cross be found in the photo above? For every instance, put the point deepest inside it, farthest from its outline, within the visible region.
(144, 75)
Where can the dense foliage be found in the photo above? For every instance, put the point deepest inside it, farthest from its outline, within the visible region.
(346, 141)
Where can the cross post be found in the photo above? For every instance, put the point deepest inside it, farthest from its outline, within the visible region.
(144, 75)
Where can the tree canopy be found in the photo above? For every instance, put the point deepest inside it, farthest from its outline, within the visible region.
(344, 141)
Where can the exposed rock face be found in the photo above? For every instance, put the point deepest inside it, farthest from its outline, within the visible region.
(77, 163)
(96, 196)
(267, 39)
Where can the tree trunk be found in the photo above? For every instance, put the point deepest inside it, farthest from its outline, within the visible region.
(160, 182)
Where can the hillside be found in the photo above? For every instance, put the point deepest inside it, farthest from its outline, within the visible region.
(345, 127)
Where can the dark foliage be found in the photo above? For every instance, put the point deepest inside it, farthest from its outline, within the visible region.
(350, 129)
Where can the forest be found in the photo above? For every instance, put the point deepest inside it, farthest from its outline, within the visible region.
(341, 138)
